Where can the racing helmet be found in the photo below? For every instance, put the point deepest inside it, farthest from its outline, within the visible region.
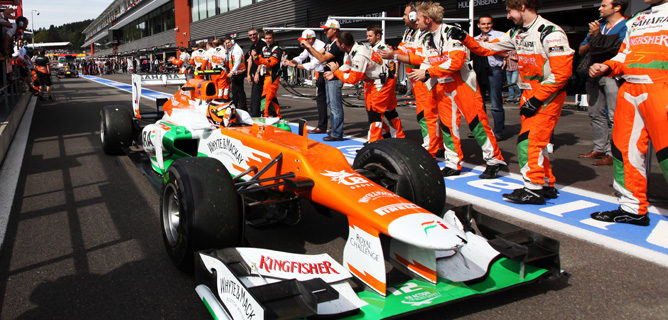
(221, 113)
(177, 62)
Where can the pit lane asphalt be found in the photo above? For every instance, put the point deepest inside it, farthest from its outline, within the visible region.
(84, 239)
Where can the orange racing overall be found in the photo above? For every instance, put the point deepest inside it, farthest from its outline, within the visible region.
(642, 105)
(367, 65)
(545, 64)
(454, 87)
(425, 108)
(217, 60)
(269, 61)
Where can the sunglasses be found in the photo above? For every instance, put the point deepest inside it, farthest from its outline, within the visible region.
(252, 34)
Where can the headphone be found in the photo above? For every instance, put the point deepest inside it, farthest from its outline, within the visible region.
(412, 16)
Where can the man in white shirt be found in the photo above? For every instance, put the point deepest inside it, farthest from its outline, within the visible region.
(314, 64)
(236, 73)
(494, 75)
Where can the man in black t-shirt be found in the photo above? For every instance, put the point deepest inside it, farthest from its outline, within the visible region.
(253, 75)
(43, 70)
(332, 54)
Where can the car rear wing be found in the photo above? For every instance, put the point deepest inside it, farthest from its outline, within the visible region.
(139, 80)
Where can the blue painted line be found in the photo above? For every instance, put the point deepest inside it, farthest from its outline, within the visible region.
(470, 188)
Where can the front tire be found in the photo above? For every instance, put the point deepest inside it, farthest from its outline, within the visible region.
(404, 168)
(199, 209)
(115, 129)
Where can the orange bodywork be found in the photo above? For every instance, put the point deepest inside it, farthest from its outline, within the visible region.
(182, 98)
(312, 160)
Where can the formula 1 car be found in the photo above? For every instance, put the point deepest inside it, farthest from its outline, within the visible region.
(67, 72)
(220, 171)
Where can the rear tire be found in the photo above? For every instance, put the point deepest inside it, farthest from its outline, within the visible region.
(199, 210)
(406, 169)
(115, 129)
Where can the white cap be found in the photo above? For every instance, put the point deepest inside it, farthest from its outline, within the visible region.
(331, 24)
(307, 34)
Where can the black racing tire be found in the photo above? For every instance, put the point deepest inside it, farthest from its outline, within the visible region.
(406, 169)
(199, 209)
(116, 129)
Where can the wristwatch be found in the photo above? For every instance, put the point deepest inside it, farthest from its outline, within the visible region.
(427, 75)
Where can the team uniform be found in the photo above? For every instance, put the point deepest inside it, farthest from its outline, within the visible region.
(426, 109)
(269, 62)
(184, 62)
(365, 64)
(199, 61)
(545, 64)
(42, 71)
(642, 109)
(454, 89)
(218, 61)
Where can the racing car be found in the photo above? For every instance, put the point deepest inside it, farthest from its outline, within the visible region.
(220, 170)
(67, 72)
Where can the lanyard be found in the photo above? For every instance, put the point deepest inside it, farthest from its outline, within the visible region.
(605, 30)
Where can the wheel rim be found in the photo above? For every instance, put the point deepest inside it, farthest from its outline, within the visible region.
(385, 178)
(171, 215)
(388, 178)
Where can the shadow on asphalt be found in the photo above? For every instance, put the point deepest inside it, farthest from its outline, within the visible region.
(87, 244)
(127, 292)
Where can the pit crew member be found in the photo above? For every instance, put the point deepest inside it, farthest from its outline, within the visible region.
(367, 65)
(545, 64)
(199, 59)
(314, 64)
(269, 63)
(183, 62)
(642, 110)
(218, 61)
(426, 110)
(43, 71)
(374, 36)
(445, 69)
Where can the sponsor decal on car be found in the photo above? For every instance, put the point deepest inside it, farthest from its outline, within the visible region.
(416, 295)
(363, 246)
(371, 196)
(284, 265)
(351, 179)
(236, 298)
(227, 146)
(432, 224)
(395, 207)
(270, 264)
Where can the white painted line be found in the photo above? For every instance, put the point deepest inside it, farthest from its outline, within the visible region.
(566, 229)
(11, 168)
(659, 235)
(597, 223)
(583, 192)
(560, 209)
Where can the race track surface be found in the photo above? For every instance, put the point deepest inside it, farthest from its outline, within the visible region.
(84, 240)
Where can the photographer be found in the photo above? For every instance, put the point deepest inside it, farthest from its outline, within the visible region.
(314, 64)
